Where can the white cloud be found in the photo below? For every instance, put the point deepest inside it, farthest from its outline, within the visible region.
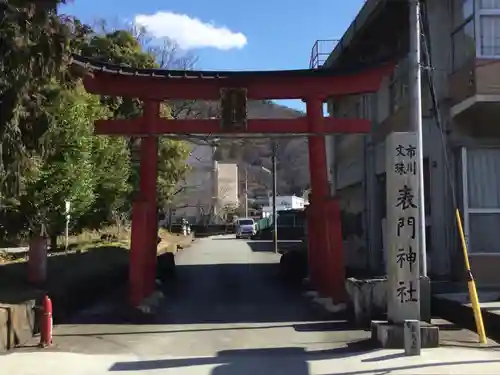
(189, 32)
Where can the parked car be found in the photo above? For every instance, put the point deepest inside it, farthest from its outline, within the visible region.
(245, 227)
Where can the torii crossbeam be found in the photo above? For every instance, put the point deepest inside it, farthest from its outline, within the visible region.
(232, 90)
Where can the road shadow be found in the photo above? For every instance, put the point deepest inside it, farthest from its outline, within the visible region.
(263, 246)
(226, 293)
(288, 360)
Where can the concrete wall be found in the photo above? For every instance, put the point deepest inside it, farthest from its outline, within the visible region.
(197, 200)
(227, 182)
(199, 183)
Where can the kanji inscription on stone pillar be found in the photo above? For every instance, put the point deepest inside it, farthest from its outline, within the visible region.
(403, 294)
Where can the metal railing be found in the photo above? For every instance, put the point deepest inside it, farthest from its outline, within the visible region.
(321, 49)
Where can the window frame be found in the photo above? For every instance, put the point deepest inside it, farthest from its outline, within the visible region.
(478, 14)
(476, 18)
(466, 207)
(460, 27)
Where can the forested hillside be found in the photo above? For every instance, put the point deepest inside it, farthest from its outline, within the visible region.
(292, 153)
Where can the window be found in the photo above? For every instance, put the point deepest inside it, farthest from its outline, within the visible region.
(490, 35)
(427, 187)
(366, 101)
(462, 11)
(481, 187)
(398, 94)
(463, 44)
(245, 222)
(358, 109)
(489, 4)
(476, 30)
(398, 86)
(488, 21)
(382, 194)
(463, 35)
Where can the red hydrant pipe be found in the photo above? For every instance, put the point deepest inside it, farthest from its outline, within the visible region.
(46, 323)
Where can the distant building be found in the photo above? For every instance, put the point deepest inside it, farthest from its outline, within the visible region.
(210, 187)
(227, 185)
(284, 203)
(261, 197)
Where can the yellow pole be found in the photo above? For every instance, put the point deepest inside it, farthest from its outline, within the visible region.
(474, 299)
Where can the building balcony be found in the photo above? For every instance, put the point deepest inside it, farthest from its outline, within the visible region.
(474, 93)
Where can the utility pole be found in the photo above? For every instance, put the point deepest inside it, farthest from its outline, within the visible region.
(215, 184)
(275, 216)
(415, 104)
(246, 191)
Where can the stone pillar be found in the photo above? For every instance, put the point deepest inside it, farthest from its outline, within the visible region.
(403, 294)
(403, 260)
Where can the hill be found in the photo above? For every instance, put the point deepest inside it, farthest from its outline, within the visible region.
(251, 154)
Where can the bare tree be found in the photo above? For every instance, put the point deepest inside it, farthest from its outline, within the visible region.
(168, 55)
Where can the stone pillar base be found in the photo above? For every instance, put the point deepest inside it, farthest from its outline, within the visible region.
(367, 299)
(391, 336)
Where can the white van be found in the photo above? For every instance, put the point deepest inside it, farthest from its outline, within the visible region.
(245, 227)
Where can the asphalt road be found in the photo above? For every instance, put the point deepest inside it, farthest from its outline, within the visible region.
(227, 313)
(227, 296)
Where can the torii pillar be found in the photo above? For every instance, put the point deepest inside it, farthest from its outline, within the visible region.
(143, 246)
(326, 263)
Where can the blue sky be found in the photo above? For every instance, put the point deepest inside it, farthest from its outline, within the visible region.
(229, 35)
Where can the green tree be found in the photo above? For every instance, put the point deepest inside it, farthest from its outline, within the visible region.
(119, 47)
(34, 49)
(172, 169)
(65, 164)
(123, 47)
(111, 172)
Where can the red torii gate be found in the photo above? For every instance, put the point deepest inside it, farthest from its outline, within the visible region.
(154, 86)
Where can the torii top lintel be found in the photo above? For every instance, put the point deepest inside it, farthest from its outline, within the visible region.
(161, 84)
